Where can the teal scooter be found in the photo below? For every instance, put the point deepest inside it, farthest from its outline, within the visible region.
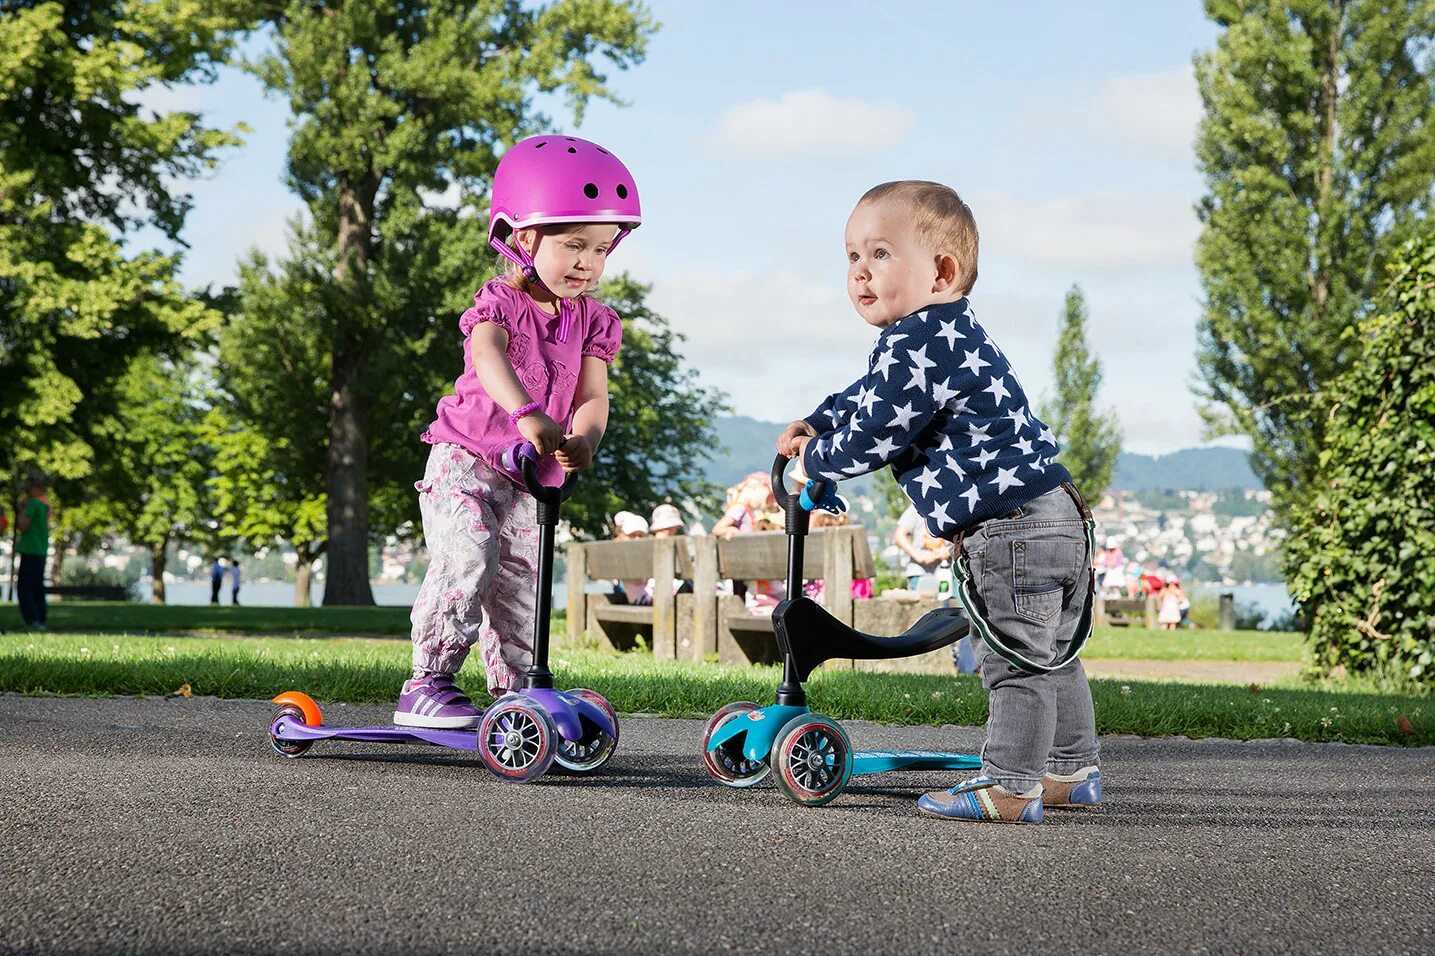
(809, 755)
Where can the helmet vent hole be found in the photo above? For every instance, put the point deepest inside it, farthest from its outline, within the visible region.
(572, 149)
(570, 139)
(539, 145)
(622, 191)
(591, 191)
(603, 151)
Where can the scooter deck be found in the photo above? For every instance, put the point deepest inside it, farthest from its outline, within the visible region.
(884, 761)
(288, 728)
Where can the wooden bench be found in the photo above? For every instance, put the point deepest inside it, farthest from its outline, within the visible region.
(1124, 612)
(723, 626)
(88, 592)
(662, 559)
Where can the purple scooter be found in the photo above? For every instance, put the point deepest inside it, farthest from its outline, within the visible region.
(522, 733)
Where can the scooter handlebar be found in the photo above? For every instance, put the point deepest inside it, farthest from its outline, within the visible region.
(525, 458)
(816, 487)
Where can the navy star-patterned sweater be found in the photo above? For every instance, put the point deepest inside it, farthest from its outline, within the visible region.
(941, 405)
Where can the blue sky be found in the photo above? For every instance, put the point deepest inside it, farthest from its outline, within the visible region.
(752, 128)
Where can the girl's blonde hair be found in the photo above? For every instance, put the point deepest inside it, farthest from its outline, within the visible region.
(942, 220)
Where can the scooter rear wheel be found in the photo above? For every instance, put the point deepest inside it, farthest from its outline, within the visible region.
(726, 764)
(594, 750)
(812, 759)
(517, 740)
(288, 748)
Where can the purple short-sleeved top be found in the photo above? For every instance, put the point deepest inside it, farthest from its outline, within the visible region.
(547, 368)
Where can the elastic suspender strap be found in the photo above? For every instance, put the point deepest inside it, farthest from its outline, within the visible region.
(977, 610)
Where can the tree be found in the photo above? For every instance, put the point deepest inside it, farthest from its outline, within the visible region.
(397, 102)
(1090, 441)
(1361, 558)
(660, 421)
(83, 166)
(270, 423)
(1318, 149)
(151, 463)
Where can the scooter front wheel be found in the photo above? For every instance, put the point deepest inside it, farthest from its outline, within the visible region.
(288, 748)
(726, 763)
(517, 740)
(594, 749)
(812, 759)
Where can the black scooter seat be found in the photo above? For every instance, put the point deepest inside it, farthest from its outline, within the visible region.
(809, 635)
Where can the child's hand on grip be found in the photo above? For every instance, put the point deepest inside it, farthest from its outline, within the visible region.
(542, 431)
(787, 442)
(575, 453)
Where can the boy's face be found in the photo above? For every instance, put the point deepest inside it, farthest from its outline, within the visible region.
(890, 274)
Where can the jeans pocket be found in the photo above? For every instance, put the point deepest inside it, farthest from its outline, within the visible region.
(1043, 573)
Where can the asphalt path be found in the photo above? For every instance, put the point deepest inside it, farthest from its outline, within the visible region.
(169, 826)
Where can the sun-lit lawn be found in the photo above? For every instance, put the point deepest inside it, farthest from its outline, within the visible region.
(369, 671)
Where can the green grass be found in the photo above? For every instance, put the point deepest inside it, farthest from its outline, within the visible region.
(369, 671)
(1131, 643)
(106, 618)
(95, 617)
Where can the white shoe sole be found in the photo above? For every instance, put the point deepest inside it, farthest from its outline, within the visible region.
(436, 723)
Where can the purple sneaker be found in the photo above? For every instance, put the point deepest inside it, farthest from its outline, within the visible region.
(435, 702)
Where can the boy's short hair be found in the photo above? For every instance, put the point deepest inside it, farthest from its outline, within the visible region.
(942, 220)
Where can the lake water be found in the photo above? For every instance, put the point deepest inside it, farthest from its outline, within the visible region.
(266, 594)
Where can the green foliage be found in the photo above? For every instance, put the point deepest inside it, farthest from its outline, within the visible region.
(1318, 148)
(1090, 441)
(659, 421)
(398, 105)
(1362, 555)
(82, 166)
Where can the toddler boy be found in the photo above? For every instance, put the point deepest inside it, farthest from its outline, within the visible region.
(941, 405)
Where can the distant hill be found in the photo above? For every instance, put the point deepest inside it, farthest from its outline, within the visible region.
(1192, 469)
(748, 446)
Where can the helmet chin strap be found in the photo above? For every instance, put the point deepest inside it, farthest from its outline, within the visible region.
(524, 261)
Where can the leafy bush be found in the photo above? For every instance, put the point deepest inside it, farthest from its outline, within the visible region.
(1362, 549)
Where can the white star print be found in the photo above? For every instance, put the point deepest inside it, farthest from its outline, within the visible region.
(869, 398)
(928, 480)
(942, 392)
(902, 417)
(894, 339)
(854, 469)
(955, 468)
(837, 440)
(984, 456)
(978, 433)
(972, 496)
(950, 333)
(919, 358)
(885, 361)
(922, 315)
(1006, 478)
(917, 381)
(883, 450)
(974, 361)
(997, 388)
(962, 406)
(939, 514)
(1024, 445)
(1018, 419)
(946, 443)
(1047, 436)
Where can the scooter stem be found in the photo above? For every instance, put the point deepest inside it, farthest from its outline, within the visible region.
(549, 499)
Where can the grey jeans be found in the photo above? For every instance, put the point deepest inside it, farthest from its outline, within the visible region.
(1032, 571)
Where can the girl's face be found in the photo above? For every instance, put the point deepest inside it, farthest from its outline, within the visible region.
(889, 273)
(569, 259)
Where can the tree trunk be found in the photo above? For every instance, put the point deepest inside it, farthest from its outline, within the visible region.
(347, 582)
(156, 569)
(57, 559)
(303, 578)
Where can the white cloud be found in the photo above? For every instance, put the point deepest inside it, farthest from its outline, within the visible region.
(1158, 112)
(810, 120)
(1152, 115)
(1114, 231)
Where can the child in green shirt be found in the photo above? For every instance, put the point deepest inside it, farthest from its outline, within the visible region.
(34, 546)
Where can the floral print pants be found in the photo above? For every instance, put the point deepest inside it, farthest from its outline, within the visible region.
(482, 535)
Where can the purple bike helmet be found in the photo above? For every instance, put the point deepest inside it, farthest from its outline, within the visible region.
(545, 180)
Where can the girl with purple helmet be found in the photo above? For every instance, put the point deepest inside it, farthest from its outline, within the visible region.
(536, 350)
